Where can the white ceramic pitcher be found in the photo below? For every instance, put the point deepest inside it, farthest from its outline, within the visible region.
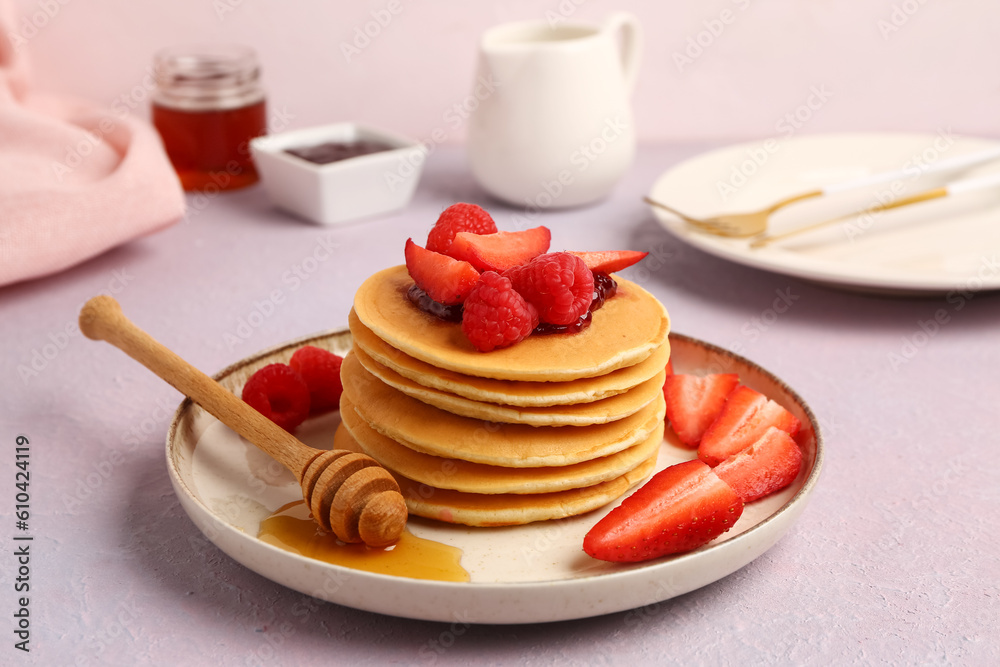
(553, 126)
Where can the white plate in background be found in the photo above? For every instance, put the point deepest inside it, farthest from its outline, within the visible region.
(937, 247)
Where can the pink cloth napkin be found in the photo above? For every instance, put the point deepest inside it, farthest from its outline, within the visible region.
(75, 179)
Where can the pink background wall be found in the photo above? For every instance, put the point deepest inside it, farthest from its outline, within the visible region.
(918, 65)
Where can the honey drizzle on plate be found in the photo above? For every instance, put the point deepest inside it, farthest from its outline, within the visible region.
(291, 528)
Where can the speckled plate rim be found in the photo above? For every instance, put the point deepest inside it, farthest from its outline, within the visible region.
(505, 603)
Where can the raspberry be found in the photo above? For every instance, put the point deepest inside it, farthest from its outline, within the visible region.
(280, 394)
(605, 287)
(495, 315)
(458, 218)
(559, 285)
(320, 369)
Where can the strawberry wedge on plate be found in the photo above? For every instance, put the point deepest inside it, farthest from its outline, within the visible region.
(745, 417)
(766, 466)
(694, 402)
(678, 509)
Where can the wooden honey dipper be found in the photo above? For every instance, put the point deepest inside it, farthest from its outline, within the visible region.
(348, 493)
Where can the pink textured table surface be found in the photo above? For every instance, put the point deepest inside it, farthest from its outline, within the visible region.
(896, 559)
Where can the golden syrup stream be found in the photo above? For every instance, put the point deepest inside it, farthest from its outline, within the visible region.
(291, 528)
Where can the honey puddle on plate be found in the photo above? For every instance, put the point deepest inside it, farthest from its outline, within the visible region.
(291, 528)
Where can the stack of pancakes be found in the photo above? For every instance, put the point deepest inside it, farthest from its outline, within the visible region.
(553, 426)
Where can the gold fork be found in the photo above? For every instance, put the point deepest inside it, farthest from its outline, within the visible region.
(754, 223)
(737, 225)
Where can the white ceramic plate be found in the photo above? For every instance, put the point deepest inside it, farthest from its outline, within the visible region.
(523, 574)
(935, 247)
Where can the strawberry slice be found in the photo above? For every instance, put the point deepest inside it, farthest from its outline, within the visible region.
(744, 418)
(694, 402)
(609, 261)
(501, 250)
(766, 466)
(445, 279)
(678, 509)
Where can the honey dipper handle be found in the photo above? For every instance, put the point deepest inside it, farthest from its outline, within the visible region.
(102, 319)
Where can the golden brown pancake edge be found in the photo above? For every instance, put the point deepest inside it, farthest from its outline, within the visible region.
(605, 410)
(490, 510)
(519, 393)
(434, 431)
(457, 475)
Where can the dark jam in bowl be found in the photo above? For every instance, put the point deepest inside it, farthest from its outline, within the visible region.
(335, 151)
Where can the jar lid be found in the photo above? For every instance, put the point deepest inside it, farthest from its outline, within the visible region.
(200, 78)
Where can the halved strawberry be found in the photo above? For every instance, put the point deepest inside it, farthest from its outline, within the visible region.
(445, 279)
(501, 250)
(693, 402)
(744, 418)
(609, 261)
(766, 466)
(678, 509)
(670, 367)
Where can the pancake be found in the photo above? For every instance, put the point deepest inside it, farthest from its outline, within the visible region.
(524, 393)
(459, 475)
(624, 331)
(506, 509)
(597, 412)
(434, 431)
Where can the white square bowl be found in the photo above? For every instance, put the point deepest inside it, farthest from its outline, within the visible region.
(341, 191)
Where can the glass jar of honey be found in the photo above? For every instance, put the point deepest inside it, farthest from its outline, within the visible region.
(208, 105)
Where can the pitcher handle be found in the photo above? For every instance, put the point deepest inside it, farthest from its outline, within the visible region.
(631, 44)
